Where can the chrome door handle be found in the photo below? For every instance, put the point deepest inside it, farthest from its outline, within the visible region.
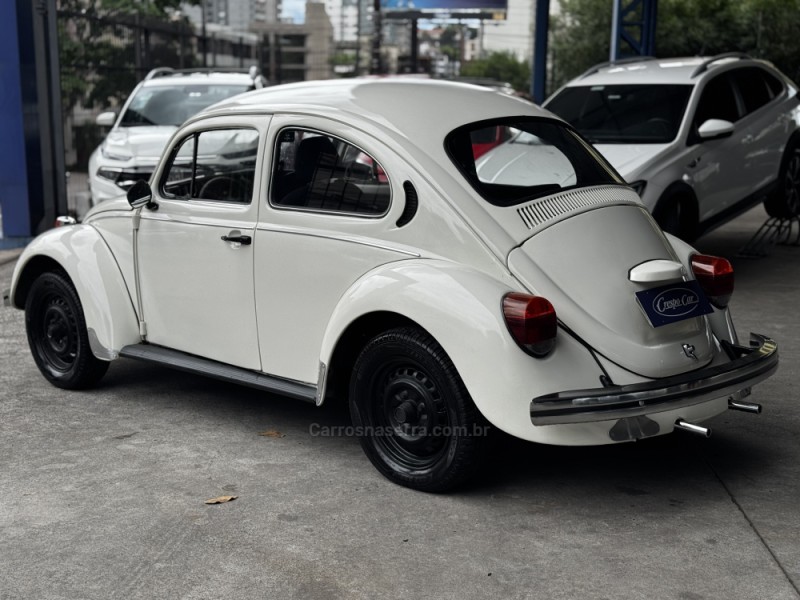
(244, 240)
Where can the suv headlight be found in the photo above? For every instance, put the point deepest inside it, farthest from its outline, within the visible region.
(116, 154)
(638, 186)
(111, 174)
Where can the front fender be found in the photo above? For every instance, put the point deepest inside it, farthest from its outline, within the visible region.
(107, 305)
(462, 309)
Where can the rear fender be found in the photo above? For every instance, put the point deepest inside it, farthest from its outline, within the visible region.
(462, 309)
(81, 252)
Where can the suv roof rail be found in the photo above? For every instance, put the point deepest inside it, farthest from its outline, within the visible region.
(253, 71)
(707, 63)
(159, 72)
(611, 63)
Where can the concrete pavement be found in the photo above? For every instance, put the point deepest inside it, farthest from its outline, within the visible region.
(102, 492)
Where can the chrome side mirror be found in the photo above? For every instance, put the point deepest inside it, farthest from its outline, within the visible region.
(140, 195)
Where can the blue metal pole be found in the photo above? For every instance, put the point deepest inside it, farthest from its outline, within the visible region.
(539, 64)
(13, 165)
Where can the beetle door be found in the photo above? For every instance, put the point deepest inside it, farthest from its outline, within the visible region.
(196, 251)
(323, 226)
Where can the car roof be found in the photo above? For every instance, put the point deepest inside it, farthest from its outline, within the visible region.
(416, 109)
(686, 70)
(179, 78)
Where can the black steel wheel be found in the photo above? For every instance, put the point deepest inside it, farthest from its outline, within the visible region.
(415, 419)
(57, 334)
(784, 201)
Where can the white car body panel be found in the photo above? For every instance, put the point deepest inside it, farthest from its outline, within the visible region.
(107, 306)
(629, 158)
(181, 250)
(596, 297)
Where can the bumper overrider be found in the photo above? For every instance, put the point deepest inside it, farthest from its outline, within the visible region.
(748, 366)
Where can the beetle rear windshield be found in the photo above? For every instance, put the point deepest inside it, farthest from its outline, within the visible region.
(528, 159)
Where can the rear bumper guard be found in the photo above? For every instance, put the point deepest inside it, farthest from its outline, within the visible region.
(748, 366)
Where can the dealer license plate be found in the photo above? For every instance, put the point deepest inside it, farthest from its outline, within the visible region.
(674, 302)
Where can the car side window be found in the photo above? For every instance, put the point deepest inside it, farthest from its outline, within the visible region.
(774, 84)
(753, 88)
(218, 164)
(718, 101)
(317, 172)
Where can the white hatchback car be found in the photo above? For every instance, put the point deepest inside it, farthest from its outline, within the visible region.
(700, 139)
(334, 240)
(151, 114)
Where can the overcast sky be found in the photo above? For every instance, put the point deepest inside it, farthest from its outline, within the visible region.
(294, 9)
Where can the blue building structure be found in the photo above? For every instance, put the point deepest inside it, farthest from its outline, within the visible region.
(32, 175)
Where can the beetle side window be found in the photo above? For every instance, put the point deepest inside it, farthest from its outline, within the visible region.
(318, 172)
(218, 164)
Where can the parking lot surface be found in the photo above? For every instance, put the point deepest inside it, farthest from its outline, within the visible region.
(102, 493)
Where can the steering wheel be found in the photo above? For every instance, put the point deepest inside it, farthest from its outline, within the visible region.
(222, 187)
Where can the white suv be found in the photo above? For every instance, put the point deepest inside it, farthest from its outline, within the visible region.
(152, 113)
(700, 139)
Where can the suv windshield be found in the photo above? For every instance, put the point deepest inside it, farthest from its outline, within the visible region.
(539, 157)
(161, 105)
(623, 114)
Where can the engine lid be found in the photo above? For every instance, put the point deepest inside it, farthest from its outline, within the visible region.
(591, 266)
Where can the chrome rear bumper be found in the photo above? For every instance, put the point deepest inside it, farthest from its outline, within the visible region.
(748, 366)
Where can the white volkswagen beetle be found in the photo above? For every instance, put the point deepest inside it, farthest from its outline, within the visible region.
(336, 239)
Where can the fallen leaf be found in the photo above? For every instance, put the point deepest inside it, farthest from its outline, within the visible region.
(271, 433)
(221, 499)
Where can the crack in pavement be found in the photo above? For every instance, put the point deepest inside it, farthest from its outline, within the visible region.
(752, 525)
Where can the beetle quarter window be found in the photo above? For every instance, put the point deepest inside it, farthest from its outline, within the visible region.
(317, 172)
(218, 164)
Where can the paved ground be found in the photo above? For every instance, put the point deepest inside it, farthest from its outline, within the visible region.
(102, 492)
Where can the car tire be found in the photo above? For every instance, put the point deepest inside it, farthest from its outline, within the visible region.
(412, 413)
(674, 215)
(784, 201)
(57, 334)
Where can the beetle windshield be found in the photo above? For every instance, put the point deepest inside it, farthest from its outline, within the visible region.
(623, 114)
(529, 158)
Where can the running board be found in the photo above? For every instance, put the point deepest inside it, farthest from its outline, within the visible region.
(211, 368)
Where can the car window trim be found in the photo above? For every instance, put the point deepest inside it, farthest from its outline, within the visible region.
(196, 134)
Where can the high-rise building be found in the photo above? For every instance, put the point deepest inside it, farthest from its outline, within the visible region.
(239, 15)
(516, 33)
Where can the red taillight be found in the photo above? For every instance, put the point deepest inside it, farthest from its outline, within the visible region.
(715, 276)
(531, 321)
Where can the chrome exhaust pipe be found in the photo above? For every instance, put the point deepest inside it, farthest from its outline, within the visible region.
(692, 428)
(750, 407)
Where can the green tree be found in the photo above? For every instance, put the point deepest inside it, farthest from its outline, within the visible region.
(97, 47)
(581, 33)
(501, 66)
